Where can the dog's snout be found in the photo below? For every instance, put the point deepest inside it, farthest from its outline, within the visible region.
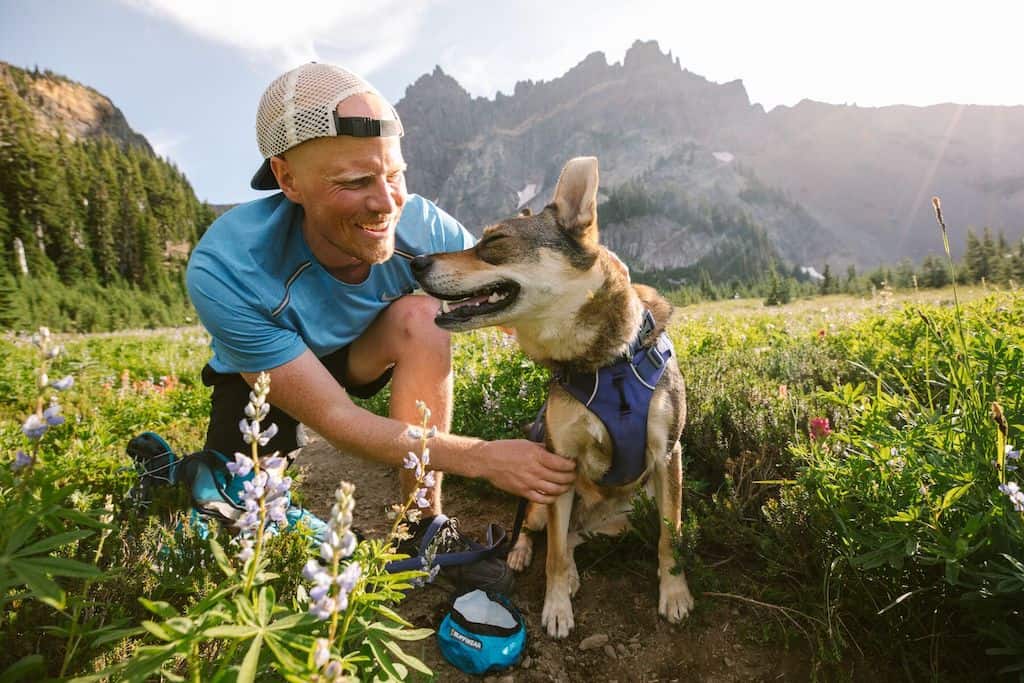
(421, 264)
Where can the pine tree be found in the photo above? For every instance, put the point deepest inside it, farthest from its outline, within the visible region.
(104, 205)
(828, 284)
(904, 275)
(779, 289)
(934, 272)
(7, 265)
(12, 310)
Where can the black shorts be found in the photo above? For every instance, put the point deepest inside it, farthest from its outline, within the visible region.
(231, 394)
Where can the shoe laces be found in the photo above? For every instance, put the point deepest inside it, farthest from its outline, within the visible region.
(449, 538)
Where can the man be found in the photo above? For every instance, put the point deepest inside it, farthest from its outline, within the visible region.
(308, 285)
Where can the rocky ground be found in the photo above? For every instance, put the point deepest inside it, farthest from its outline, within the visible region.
(618, 634)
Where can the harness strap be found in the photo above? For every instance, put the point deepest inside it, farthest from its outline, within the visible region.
(495, 538)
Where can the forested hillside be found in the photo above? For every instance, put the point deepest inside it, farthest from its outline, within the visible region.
(95, 229)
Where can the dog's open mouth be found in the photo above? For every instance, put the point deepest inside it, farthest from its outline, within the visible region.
(491, 299)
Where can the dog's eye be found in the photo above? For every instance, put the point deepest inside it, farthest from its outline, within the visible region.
(491, 239)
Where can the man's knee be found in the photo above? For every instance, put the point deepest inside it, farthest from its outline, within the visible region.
(414, 322)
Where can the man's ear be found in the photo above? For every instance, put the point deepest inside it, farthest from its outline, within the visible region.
(285, 178)
(576, 195)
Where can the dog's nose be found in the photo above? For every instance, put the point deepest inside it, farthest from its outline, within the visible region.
(421, 264)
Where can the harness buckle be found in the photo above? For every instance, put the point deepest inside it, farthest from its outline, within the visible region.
(654, 355)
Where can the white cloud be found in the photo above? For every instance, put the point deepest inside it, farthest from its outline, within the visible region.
(367, 35)
(164, 142)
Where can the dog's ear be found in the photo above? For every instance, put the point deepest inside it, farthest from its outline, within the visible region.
(575, 199)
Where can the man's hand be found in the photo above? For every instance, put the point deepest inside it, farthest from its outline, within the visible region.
(525, 469)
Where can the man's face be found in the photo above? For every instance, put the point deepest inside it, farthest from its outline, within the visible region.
(351, 189)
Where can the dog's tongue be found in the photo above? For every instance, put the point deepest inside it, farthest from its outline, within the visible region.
(471, 301)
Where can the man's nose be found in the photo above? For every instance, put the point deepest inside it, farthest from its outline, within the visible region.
(383, 198)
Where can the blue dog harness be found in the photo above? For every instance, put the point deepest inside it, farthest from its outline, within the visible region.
(620, 395)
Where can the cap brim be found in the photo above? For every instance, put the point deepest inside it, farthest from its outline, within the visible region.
(264, 178)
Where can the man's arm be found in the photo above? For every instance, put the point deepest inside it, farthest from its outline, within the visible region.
(304, 389)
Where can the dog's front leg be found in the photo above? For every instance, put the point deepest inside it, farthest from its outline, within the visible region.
(674, 599)
(557, 615)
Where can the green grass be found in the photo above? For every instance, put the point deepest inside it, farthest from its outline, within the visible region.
(889, 535)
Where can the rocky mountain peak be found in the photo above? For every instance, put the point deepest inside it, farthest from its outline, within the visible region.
(62, 105)
(645, 54)
(437, 84)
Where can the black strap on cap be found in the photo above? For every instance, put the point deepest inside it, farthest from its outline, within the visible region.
(365, 127)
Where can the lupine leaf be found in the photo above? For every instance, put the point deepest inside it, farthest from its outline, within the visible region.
(408, 659)
(46, 544)
(247, 673)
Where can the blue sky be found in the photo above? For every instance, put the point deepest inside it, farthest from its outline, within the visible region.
(188, 73)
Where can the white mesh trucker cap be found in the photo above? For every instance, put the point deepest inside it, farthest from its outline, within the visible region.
(301, 105)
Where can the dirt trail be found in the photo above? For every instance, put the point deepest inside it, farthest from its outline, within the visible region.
(714, 644)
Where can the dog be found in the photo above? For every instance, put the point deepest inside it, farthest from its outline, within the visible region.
(573, 309)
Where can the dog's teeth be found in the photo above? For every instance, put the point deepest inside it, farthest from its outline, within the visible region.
(494, 298)
(445, 308)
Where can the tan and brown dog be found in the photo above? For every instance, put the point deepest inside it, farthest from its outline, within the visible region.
(572, 307)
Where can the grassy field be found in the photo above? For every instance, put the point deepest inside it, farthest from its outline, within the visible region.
(852, 459)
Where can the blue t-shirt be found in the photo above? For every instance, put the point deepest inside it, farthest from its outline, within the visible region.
(265, 298)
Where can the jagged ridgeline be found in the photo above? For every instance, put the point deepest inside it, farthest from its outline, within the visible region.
(95, 228)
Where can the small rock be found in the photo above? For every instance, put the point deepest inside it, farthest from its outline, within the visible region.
(610, 651)
(527, 662)
(634, 646)
(621, 648)
(507, 679)
(595, 641)
(729, 662)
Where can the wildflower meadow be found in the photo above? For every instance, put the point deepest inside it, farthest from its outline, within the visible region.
(852, 464)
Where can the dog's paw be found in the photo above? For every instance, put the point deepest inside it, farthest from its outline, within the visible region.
(520, 556)
(674, 599)
(557, 615)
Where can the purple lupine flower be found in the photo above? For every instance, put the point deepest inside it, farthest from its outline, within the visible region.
(248, 522)
(323, 609)
(272, 463)
(245, 554)
(415, 433)
(250, 431)
(64, 383)
(277, 510)
(329, 593)
(264, 437)
(321, 653)
(311, 569)
(252, 411)
(34, 427)
(349, 577)
(1014, 493)
(21, 461)
(52, 414)
(411, 461)
(241, 466)
(254, 488)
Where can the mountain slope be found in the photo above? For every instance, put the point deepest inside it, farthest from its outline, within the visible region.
(85, 204)
(825, 182)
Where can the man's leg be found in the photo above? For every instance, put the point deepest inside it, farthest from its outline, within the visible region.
(404, 335)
